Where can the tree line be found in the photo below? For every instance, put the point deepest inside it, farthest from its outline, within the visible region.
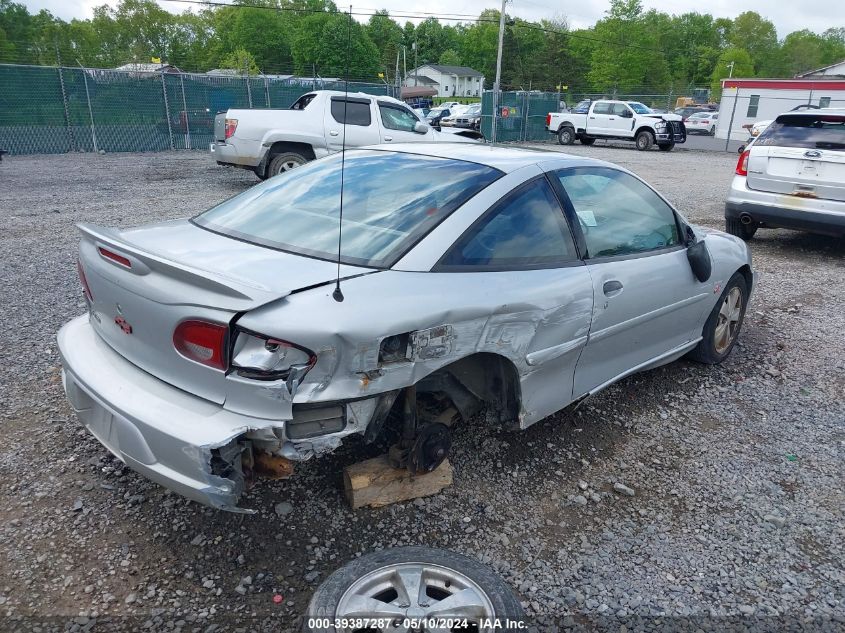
(629, 50)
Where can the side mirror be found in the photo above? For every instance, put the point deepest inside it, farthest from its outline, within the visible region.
(627, 114)
(421, 128)
(699, 261)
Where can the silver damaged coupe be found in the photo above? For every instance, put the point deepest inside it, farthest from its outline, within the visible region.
(218, 349)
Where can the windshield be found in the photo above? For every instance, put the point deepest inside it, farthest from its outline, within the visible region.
(639, 108)
(810, 132)
(473, 109)
(434, 113)
(390, 200)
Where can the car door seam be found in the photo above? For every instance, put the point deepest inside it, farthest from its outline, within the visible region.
(625, 325)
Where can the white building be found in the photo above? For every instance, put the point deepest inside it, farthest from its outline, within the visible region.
(449, 81)
(834, 70)
(746, 101)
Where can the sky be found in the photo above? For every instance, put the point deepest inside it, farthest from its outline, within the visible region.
(816, 15)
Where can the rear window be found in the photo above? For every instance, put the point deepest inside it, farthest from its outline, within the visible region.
(356, 112)
(822, 131)
(390, 200)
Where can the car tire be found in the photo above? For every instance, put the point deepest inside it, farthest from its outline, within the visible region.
(713, 131)
(586, 140)
(644, 140)
(285, 162)
(666, 147)
(453, 569)
(722, 327)
(566, 135)
(744, 231)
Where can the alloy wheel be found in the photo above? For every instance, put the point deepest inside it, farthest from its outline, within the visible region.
(728, 324)
(421, 592)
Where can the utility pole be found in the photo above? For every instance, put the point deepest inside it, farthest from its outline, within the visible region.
(496, 84)
(731, 73)
(416, 63)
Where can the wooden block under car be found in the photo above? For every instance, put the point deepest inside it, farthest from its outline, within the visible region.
(376, 483)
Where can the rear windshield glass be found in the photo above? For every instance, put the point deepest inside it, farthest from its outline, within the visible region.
(822, 131)
(390, 200)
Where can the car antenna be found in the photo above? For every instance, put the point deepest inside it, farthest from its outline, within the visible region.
(337, 295)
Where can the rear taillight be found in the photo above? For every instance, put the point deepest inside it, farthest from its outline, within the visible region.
(742, 163)
(548, 119)
(231, 126)
(86, 290)
(202, 342)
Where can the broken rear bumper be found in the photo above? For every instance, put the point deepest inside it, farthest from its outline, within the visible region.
(160, 431)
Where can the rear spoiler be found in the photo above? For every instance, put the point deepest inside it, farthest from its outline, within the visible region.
(242, 294)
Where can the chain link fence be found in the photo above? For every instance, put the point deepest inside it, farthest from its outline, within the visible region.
(52, 110)
(521, 115)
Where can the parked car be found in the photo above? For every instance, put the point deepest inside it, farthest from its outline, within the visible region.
(582, 107)
(270, 142)
(686, 112)
(792, 176)
(702, 123)
(436, 115)
(470, 119)
(471, 278)
(626, 120)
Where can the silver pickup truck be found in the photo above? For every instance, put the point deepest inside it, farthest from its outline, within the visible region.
(269, 142)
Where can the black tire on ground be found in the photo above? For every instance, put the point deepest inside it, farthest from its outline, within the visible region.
(644, 140)
(566, 135)
(285, 162)
(706, 352)
(735, 227)
(261, 173)
(666, 147)
(326, 598)
(586, 140)
(713, 130)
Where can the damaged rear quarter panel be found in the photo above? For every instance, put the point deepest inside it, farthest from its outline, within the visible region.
(449, 316)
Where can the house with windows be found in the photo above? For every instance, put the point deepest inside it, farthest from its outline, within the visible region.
(747, 101)
(449, 81)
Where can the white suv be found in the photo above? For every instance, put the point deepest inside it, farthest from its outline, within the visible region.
(792, 176)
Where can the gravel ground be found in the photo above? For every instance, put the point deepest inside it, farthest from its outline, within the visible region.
(710, 493)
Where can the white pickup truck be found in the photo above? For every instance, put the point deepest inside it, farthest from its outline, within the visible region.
(269, 142)
(626, 120)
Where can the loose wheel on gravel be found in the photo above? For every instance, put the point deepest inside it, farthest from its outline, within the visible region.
(285, 162)
(666, 147)
(644, 140)
(735, 227)
(586, 140)
(722, 326)
(566, 135)
(415, 583)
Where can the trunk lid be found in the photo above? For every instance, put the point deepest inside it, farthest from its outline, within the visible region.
(808, 173)
(178, 271)
(802, 154)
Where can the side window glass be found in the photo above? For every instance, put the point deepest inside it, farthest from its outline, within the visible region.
(619, 215)
(357, 112)
(619, 109)
(602, 107)
(394, 118)
(526, 230)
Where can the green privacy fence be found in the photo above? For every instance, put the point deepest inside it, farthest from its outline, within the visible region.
(50, 110)
(521, 115)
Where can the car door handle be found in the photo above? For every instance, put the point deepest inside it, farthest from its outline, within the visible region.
(612, 288)
(592, 117)
(611, 119)
(334, 133)
(388, 138)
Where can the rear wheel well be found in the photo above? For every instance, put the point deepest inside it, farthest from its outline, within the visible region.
(281, 147)
(471, 384)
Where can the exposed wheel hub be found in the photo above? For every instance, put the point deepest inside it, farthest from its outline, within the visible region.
(430, 448)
